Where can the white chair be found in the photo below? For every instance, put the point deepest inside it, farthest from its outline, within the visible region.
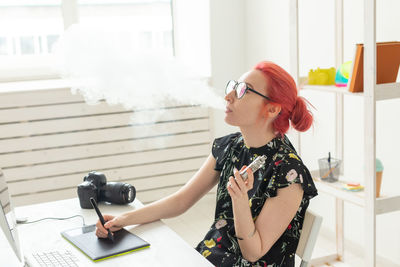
(308, 238)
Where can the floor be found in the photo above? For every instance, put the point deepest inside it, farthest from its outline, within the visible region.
(193, 225)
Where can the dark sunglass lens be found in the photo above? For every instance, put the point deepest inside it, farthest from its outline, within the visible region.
(241, 90)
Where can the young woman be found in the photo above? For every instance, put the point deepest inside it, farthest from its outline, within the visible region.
(258, 221)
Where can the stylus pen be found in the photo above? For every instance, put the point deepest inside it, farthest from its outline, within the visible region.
(94, 204)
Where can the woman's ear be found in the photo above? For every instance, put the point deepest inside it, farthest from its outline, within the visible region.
(271, 110)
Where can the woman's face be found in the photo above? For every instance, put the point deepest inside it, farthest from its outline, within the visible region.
(247, 111)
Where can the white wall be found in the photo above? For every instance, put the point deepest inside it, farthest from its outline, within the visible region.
(260, 31)
(227, 21)
(191, 34)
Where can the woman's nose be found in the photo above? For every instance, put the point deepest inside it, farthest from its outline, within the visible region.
(229, 97)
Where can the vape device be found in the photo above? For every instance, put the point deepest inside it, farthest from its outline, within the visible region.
(254, 166)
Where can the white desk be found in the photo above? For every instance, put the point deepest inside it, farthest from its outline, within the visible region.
(166, 247)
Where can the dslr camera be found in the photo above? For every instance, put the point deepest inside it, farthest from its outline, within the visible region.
(95, 185)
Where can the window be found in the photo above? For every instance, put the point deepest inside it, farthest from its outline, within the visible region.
(50, 41)
(3, 45)
(22, 27)
(29, 30)
(28, 45)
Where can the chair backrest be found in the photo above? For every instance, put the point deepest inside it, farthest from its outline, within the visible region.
(311, 225)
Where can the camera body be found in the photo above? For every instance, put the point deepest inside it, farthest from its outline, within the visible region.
(95, 185)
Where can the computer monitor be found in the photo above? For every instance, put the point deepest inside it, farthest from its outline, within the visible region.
(7, 218)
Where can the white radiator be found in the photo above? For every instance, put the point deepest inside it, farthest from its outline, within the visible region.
(50, 139)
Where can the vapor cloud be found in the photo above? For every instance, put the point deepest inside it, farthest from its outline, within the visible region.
(108, 64)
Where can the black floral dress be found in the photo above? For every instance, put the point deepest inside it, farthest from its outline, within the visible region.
(282, 168)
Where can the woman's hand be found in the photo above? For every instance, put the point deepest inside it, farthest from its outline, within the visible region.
(114, 223)
(237, 188)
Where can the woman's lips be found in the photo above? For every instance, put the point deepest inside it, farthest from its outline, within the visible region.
(228, 110)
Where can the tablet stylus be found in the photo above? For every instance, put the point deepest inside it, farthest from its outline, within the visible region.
(94, 204)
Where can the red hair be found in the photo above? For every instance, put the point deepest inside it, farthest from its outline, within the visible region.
(282, 90)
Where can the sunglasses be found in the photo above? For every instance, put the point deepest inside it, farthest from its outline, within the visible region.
(241, 89)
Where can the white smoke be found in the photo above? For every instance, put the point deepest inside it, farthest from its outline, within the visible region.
(107, 64)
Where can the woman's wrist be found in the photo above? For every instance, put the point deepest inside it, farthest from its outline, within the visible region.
(123, 219)
(242, 216)
(241, 203)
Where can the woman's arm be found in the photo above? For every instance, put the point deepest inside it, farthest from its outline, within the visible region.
(274, 218)
(201, 183)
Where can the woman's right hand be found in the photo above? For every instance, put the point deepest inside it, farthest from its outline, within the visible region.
(114, 223)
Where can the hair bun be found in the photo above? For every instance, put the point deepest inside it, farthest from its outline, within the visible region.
(282, 88)
(301, 117)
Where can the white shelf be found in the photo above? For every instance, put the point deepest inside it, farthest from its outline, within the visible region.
(387, 91)
(384, 204)
(329, 88)
(336, 190)
(382, 92)
(387, 204)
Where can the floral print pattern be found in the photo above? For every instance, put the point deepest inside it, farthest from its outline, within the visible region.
(291, 175)
(220, 223)
(282, 168)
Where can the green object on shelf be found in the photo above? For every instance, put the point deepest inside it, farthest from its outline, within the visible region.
(322, 76)
(379, 165)
(342, 74)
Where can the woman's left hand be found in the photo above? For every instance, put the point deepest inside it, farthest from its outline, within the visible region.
(237, 188)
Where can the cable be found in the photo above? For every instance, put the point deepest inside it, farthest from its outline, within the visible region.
(53, 218)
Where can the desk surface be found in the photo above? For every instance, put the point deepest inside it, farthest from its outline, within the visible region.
(167, 248)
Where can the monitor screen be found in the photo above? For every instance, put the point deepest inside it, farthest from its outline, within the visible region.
(7, 218)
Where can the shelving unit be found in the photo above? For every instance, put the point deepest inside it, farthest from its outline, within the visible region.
(372, 93)
(382, 91)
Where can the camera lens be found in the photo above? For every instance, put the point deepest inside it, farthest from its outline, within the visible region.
(130, 196)
(118, 193)
(129, 192)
